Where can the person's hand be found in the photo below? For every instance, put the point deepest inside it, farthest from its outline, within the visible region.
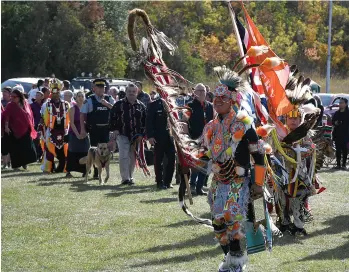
(7, 130)
(116, 133)
(83, 134)
(78, 135)
(336, 123)
(152, 141)
(104, 102)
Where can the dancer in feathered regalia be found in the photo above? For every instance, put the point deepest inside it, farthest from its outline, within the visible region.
(229, 141)
(295, 158)
(54, 125)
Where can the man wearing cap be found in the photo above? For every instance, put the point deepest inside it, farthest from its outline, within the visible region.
(6, 96)
(95, 115)
(54, 126)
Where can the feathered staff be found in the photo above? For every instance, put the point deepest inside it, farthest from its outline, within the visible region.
(169, 84)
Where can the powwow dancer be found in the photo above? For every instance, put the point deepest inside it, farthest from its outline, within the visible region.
(294, 160)
(54, 125)
(229, 140)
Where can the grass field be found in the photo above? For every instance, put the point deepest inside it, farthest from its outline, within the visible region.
(50, 223)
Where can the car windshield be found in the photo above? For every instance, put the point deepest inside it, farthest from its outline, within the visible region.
(86, 84)
(336, 101)
(326, 100)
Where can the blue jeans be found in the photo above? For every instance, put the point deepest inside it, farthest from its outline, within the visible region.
(197, 180)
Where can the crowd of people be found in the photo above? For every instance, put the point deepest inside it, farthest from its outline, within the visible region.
(54, 123)
(55, 126)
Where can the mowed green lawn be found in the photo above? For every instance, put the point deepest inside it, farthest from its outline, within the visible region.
(50, 223)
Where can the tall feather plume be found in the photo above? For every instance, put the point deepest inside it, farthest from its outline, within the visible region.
(298, 90)
(231, 79)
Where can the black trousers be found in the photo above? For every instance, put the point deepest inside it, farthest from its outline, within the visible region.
(341, 151)
(99, 135)
(165, 146)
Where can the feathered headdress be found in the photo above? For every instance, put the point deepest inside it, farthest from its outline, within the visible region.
(231, 82)
(299, 93)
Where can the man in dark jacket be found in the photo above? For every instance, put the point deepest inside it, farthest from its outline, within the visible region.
(158, 135)
(201, 114)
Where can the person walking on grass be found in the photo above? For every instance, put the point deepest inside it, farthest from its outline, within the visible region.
(158, 135)
(340, 134)
(36, 110)
(95, 114)
(77, 146)
(127, 122)
(6, 98)
(19, 126)
(201, 114)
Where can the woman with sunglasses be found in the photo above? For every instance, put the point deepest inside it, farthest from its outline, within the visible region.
(19, 125)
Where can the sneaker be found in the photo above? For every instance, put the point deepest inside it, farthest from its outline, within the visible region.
(25, 167)
(69, 175)
(131, 182)
(125, 182)
(169, 186)
(337, 167)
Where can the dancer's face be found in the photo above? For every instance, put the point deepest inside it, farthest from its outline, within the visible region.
(222, 104)
(293, 122)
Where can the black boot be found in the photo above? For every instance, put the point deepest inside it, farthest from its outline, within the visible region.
(225, 248)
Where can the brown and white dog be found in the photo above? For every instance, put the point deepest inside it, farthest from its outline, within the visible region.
(99, 157)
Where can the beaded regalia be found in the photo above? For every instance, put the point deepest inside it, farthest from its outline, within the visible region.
(54, 126)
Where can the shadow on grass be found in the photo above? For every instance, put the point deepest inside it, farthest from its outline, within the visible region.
(203, 254)
(184, 223)
(339, 253)
(19, 173)
(335, 225)
(118, 190)
(160, 200)
(203, 240)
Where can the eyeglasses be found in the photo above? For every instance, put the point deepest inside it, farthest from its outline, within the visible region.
(224, 99)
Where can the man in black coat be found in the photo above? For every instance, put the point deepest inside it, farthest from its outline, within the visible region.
(201, 114)
(158, 135)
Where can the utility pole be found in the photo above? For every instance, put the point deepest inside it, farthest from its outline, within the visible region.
(328, 72)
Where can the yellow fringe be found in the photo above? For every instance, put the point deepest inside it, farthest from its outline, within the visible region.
(279, 147)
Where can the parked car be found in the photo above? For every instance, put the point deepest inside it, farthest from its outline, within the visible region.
(326, 98)
(26, 82)
(86, 83)
(333, 107)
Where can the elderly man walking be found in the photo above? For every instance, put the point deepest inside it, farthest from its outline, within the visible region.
(201, 114)
(128, 125)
